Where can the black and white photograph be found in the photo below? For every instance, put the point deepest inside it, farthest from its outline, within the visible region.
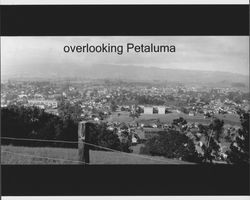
(115, 100)
(124, 100)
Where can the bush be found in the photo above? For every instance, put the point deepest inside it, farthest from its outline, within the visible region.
(101, 136)
(171, 144)
(239, 148)
(34, 123)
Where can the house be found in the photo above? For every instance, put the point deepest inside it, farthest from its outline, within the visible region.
(161, 110)
(148, 110)
(134, 140)
(191, 113)
(43, 103)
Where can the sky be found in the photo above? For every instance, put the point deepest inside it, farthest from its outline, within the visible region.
(208, 53)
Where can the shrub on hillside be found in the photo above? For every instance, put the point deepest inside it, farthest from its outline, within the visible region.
(35, 123)
(101, 136)
(239, 148)
(171, 144)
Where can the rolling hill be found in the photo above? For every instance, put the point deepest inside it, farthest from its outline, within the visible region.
(127, 72)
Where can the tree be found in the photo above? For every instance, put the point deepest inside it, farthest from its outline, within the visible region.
(179, 121)
(113, 106)
(171, 144)
(69, 111)
(134, 114)
(180, 124)
(101, 136)
(139, 109)
(239, 148)
(102, 115)
(126, 141)
(212, 134)
(32, 122)
(217, 126)
(184, 110)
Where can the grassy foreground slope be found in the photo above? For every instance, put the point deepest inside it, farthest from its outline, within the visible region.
(70, 156)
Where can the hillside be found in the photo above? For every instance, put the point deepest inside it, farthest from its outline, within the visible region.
(69, 156)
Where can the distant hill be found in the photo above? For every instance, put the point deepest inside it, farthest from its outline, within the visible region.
(153, 73)
(130, 72)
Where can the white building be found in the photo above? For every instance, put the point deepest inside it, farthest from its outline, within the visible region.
(41, 103)
(148, 110)
(161, 110)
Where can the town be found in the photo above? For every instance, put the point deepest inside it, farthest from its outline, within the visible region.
(103, 96)
(138, 110)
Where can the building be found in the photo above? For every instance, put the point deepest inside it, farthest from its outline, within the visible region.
(191, 113)
(3, 103)
(52, 111)
(148, 110)
(45, 103)
(161, 110)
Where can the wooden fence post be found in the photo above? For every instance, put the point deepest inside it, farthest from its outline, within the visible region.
(86, 146)
(83, 136)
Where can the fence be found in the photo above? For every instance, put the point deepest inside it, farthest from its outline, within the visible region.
(83, 147)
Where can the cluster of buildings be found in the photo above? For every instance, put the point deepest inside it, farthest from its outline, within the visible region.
(43, 103)
(42, 95)
(100, 96)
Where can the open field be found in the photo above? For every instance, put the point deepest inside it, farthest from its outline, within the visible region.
(41, 155)
(231, 119)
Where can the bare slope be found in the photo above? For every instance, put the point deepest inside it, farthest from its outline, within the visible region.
(45, 155)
